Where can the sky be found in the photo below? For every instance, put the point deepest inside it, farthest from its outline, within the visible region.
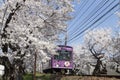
(1, 1)
(91, 14)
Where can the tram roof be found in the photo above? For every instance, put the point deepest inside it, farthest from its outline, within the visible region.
(64, 46)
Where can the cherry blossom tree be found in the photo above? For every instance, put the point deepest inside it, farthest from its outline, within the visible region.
(98, 42)
(82, 60)
(115, 46)
(116, 51)
(29, 26)
(95, 49)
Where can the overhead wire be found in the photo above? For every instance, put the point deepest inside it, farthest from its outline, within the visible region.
(92, 13)
(78, 16)
(95, 17)
(95, 22)
(96, 25)
(78, 12)
(81, 7)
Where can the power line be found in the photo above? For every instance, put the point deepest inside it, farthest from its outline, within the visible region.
(80, 8)
(95, 17)
(94, 22)
(95, 26)
(92, 13)
(82, 14)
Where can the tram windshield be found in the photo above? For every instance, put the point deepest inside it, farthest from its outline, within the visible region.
(63, 55)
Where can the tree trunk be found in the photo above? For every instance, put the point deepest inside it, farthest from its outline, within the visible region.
(35, 67)
(97, 68)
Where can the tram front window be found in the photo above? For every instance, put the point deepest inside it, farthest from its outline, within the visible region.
(63, 55)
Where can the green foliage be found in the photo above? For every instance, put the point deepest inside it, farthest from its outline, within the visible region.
(28, 77)
(59, 77)
(38, 76)
(43, 76)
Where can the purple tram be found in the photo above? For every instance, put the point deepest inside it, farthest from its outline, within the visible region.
(63, 62)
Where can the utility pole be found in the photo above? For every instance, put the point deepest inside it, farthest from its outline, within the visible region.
(35, 56)
(119, 9)
(66, 36)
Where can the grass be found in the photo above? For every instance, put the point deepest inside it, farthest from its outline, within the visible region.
(29, 76)
(43, 76)
(62, 77)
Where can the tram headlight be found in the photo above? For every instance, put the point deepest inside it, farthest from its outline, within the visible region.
(57, 65)
(67, 63)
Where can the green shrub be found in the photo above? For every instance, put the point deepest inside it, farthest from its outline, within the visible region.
(43, 76)
(28, 77)
(38, 76)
